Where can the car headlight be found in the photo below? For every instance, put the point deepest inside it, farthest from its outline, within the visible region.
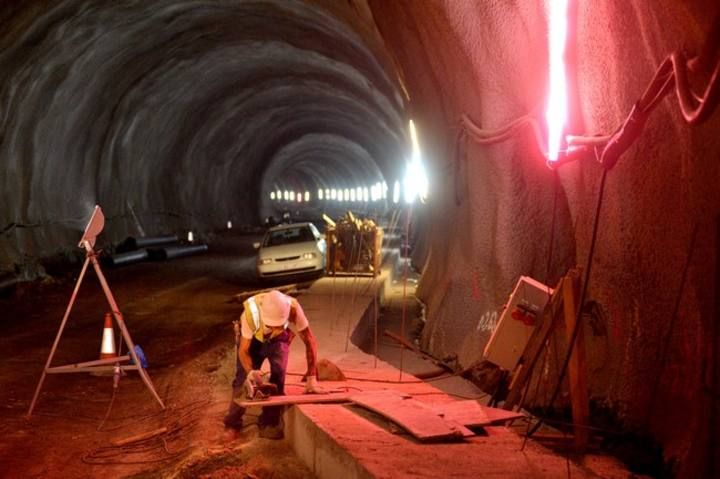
(262, 261)
(309, 255)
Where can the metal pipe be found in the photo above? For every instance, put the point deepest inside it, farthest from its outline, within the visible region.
(171, 252)
(138, 243)
(128, 258)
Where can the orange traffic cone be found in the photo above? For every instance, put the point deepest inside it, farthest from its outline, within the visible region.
(107, 349)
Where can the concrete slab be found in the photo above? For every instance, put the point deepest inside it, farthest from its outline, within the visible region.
(336, 441)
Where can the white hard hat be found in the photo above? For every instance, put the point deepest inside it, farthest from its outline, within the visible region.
(275, 308)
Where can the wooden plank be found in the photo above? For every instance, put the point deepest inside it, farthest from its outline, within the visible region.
(533, 348)
(577, 375)
(467, 413)
(418, 419)
(295, 399)
(497, 416)
(473, 414)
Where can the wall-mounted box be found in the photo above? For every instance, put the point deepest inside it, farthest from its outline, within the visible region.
(516, 323)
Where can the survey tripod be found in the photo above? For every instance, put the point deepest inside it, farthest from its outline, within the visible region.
(118, 364)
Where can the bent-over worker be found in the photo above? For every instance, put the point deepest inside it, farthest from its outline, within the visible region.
(264, 333)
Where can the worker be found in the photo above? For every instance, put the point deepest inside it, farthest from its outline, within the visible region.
(265, 329)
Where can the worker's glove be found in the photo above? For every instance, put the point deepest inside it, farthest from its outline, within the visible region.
(311, 386)
(253, 379)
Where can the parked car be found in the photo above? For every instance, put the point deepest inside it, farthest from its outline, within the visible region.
(291, 249)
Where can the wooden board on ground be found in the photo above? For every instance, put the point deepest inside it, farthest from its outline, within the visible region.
(470, 413)
(467, 413)
(296, 399)
(417, 418)
(497, 416)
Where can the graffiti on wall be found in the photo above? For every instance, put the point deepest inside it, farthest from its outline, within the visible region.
(487, 322)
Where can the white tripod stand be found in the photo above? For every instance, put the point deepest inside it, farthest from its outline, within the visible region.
(93, 228)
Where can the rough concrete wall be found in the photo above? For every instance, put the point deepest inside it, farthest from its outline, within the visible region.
(492, 206)
(172, 111)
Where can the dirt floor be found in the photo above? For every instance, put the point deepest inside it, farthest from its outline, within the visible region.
(180, 313)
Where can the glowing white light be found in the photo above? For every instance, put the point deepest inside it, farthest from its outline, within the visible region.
(286, 195)
(272, 195)
(416, 182)
(556, 112)
(384, 190)
(307, 196)
(365, 195)
(229, 225)
(327, 193)
(292, 196)
(190, 237)
(352, 195)
(278, 194)
(333, 194)
(320, 194)
(396, 192)
(346, 195)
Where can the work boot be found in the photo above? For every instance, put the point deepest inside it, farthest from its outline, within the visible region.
(271, 432)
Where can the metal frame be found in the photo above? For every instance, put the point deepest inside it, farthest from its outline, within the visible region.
(108, 364)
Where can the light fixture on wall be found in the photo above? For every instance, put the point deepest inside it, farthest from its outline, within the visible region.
(607, 149)
(556, 109)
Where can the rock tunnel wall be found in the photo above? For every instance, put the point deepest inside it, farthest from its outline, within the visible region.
(170, 113)
(652, 355)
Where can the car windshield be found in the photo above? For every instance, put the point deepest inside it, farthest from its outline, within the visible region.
(299, 234)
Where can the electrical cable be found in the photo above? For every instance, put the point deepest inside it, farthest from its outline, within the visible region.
(405, 278)
(459, 148)
(672, 71)
(107, 413)
(673, 319)
(489, 137)
(578, 319)
(694, 111)
(183, 421)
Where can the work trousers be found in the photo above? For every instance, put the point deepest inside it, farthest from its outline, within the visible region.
(276, 352)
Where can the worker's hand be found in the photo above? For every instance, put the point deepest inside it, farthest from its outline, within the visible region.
(236, 329)
(255, 376)
(311, 386)
(253, 380)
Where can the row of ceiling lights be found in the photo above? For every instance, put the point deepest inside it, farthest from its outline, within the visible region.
(376, 192)
(415, 184)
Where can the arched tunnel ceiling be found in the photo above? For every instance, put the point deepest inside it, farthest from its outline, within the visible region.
(325, 160)
(180, 109)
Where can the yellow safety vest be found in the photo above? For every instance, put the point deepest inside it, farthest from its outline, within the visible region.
(254, 318)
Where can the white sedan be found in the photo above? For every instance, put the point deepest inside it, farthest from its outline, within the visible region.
(291, 249)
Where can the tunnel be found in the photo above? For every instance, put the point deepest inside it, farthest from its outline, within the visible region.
(180, 116)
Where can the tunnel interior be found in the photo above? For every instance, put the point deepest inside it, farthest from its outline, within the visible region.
(186, 115)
